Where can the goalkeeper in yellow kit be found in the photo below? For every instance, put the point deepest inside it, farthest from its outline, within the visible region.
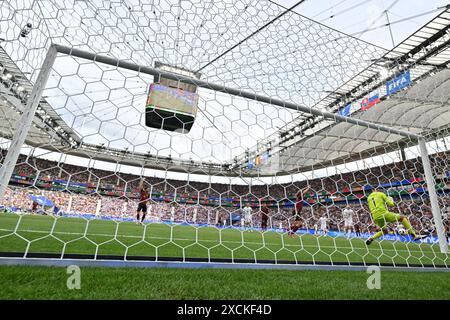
(378, 202)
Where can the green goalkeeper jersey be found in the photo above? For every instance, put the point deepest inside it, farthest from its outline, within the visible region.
(378, 202)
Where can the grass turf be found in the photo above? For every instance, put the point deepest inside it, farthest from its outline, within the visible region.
(23, 282)
(45, 234)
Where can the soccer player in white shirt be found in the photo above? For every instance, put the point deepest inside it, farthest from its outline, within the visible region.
(323, 224)
(348, 219)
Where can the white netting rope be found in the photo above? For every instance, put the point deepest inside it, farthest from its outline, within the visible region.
(76, 187)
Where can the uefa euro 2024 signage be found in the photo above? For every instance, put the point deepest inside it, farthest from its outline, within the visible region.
(398, 83)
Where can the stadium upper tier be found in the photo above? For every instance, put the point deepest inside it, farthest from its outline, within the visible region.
(96, 111)
(403, 175)
(80, 205)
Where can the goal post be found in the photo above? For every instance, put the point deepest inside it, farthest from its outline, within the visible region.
(437, 215)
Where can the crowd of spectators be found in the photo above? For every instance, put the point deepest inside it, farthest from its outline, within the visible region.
(121, 182)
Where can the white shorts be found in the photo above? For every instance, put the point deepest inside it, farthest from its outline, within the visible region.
(323, 227)
(348, 223)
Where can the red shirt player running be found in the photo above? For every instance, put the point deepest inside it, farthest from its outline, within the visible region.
(297, 223)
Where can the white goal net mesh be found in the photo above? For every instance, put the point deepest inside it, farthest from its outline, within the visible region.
(267, 153)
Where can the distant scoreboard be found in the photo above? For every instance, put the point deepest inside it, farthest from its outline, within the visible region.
(170, 109)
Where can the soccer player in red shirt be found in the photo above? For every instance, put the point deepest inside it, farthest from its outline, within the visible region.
(142, 205)
(297, 224)
(264, 216)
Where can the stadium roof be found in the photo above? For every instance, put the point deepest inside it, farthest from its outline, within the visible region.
(294, 59)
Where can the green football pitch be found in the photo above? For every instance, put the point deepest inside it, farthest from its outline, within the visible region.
(36, 234)
(25, 282)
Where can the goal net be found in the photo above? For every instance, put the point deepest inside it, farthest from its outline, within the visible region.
(202, 133)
